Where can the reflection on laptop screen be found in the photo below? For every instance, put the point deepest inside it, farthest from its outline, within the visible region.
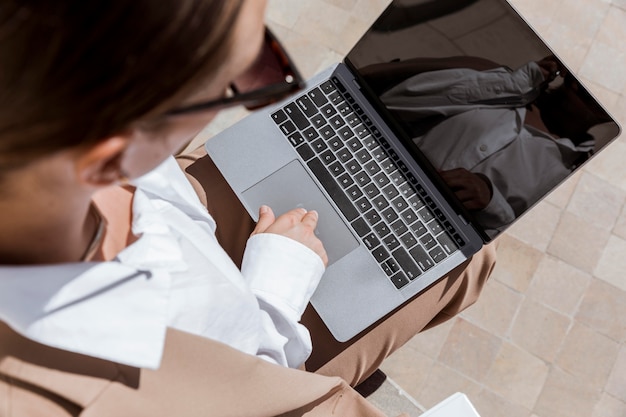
(496, 113)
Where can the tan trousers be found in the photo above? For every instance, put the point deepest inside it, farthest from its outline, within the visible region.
(358, 358)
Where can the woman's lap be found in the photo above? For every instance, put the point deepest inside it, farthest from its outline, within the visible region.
(356, 359)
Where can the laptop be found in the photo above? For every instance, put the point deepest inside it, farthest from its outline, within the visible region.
(424, 144)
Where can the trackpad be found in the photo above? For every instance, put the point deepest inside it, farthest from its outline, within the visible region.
(291, 187)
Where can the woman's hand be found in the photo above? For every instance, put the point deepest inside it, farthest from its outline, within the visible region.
(297, 224)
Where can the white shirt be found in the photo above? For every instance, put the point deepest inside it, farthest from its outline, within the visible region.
(175, 275)
(484, 132)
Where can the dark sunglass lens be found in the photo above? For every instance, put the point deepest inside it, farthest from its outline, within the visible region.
(268, 69)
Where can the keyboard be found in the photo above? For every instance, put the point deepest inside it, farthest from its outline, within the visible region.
(384, 202)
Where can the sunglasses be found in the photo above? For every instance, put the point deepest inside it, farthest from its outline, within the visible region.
(272, 77)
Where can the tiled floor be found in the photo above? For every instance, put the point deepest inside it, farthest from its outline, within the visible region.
(548, 336)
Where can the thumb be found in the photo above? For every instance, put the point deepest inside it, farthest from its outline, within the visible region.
(266, 219)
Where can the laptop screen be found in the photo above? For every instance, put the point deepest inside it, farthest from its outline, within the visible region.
(500, 118)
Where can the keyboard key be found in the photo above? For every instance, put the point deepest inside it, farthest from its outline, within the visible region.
(381, 229)
(328, 157)
(390, 266)
(409, 216)
(418, 228)
(372, 168)
(408, 240)
(345, 133)
(296, 115)
(296, 139)
(435, 227)
(327, 132)
(380, 254)
(390, 191)
(362, 178)
(328, 110)
(307, 107)
(400, 204)
(415, 202)
(338, 84)
(372, 217)
(279, 117)
(335, 97)
(369, 141)
(353, 120)
(428, 241)
(361, 227)
(328, 87)
(399, 280)
(363, 204)
(407, 264)
(310, 134)
(426, 214)
(354, 144)
(344, 108)
(371, 241)
(399, 228)
(344, 154)
(319, 145)
(354, 193)
(380, 202)
(389, 215)
(333, 189)
(317, 97)
(345, 181)
(378, 154)
(335, 143)
(337, 122)
(391, 242)
(437, 254)
(288, 128)
(421, 257)
(363, 156)
(336, 169)
(318, 121)
(305, 152)
(382, 179)
(447, 243)
(353, 167)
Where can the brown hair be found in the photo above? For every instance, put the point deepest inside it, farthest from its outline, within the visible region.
(75, 71)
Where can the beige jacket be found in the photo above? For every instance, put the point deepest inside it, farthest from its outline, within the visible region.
(197, 377)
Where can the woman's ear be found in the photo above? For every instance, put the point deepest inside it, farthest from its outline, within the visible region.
(100, 164)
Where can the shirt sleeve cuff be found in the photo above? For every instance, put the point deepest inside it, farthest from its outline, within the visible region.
(281, 271)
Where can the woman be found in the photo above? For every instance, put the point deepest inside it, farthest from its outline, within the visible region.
(109, 262)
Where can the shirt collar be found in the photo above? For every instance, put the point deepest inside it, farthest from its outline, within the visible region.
(114, 310)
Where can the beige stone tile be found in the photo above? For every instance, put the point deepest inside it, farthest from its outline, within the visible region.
(585, 16)
(517, 376)
(578, 242)
(285, 12)
(469, 350)
(603, 308)
(495, 309)
(430, 341)
(603, 66)
(597, 201)
(539, 13)
(564, 395)
(409, 369)
(609, 164)
(620, 225)
(347, 5)
(612, 263)
(537, 226)
(558, 285)
(609, 406)
(588, 356)
(616, 384)
(443, 382)
(539, 330)
(612, 31)
(516, 262)
(488, 403)
(561, 196)
(568, 44)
